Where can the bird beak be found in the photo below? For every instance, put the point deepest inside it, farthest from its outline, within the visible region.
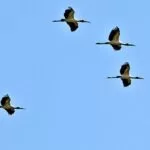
(132, 45)
(54, 21)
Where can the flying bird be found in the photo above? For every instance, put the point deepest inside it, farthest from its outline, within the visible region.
(125, 77)
(114, 39)
(5, 104)
(69, 19)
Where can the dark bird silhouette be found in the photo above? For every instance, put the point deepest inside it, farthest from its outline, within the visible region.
(69, 19)
(5, 104)
(125, 77)
(114, 39)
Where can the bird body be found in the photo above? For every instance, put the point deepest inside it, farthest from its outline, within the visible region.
(70, 20)
(125, 77)
(114, 39)
(5, 104)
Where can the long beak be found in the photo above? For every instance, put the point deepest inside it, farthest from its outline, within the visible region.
(87, 21)
(132, 45)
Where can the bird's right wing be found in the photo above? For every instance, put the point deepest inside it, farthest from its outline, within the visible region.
(73, 25)
(116, 47)
(10, 111)
(126, 82)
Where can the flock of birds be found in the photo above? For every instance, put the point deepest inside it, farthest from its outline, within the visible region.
(113, 40)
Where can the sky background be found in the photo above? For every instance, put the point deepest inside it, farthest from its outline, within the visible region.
(60, 76)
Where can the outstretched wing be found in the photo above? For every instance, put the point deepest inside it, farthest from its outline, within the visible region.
(10, 111)
(5, 100)
(116, 47)
(69, 13)
(73, 25)
(114, 34)
(126, 82)
(125, 68)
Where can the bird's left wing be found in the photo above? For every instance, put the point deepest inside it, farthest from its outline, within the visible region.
(69, 13)
(125, 68)
(5, 100)
(114, 34)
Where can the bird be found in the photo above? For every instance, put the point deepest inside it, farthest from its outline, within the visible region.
(125, 77)
(114, 39)
(5, 104)
(69, 19)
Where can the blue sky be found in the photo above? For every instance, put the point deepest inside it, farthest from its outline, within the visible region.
(60, 76)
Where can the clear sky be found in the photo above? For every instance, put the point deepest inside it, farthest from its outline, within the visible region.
(60, 76)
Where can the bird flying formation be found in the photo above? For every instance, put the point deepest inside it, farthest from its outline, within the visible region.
(113, 40)
(70, 20)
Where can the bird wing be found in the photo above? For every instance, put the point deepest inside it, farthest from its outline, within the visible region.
(125, 68)
(10, 110)
(73, 25)
(114, 34)
(126, 82)
(5, 100)
(69, 13)
(116, 47)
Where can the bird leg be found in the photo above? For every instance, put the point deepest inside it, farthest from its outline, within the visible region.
(113, 77)
(102, 43)
(61, 20)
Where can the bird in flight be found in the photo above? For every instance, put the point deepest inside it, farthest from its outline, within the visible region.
(114, 39)
(125, 77)
(69, 19)
(5, 104)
